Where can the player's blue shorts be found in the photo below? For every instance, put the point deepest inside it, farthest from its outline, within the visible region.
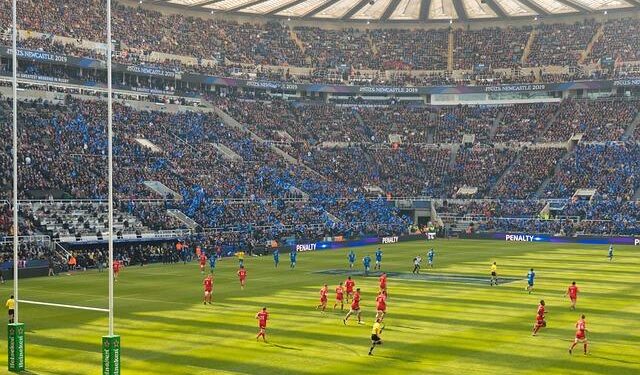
(530, 283)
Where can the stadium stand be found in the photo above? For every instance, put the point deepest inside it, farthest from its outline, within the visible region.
(314, 165)
(493, 48)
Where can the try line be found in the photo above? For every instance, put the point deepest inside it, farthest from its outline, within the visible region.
(62, 305)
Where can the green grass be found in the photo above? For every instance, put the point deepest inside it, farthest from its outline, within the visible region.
(432, 327)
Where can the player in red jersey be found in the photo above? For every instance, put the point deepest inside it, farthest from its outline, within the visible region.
(203, 262)
(581, 330)
(339, 297)
(572, 292)
(540, 322)
(262, 317)
(208, 288)
(116, 270)
(381, 306)
(349, 285)
(242, 274)
(324, 291)
(383, 283)
(355, 308)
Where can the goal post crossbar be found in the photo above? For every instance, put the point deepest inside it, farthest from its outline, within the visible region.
(77, 307)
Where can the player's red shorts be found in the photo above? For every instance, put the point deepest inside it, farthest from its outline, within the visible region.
(573, 298)
(383, 286)
(349, 291)
(263, 325)
(208, 290)
(339, 297)
(323, 299)
(382, 308)
(580, 336)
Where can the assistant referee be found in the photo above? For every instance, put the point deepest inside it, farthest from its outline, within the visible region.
(11, 305)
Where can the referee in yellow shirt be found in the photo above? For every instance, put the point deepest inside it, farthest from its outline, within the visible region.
(11, 305)
(494, 274)
(240, 255)
(376, 331)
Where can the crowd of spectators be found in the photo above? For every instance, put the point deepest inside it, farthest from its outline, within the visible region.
(606, 216)
(410, 123)
(5, 218)
(524, 122)
(501, 208)
(222, 46)
(63, 145)
(62, 149)
(334, 48)
(402, 172)
(27, 251)
(598, 216)
(454, 122)
(492, 48)
(531, 168)
(479, 167)
(153, 215)
(620, 41)
(561, 44)
(398, 50)
(282, 120)
(610, 168)
(596, 120)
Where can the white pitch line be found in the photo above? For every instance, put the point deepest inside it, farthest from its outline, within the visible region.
(61, 305)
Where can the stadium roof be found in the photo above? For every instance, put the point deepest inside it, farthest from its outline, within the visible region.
(406, 10)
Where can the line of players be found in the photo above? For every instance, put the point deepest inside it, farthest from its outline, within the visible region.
(347, 289)
(345, 292)
(572, 293)
(381, 299)
(540, 322)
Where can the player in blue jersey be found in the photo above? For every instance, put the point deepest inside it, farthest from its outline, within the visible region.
(430, 255)
(352, 259)
(293, 256)
(378, 259)
(276, 257)
(212, 262)
(366, 262)
(531, 275)
(610, 254)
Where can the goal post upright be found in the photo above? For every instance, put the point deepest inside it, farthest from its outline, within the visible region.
(110, 342)
(15, 330)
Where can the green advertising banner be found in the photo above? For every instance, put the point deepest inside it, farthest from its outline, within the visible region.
(16, 347)
(111, 355)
